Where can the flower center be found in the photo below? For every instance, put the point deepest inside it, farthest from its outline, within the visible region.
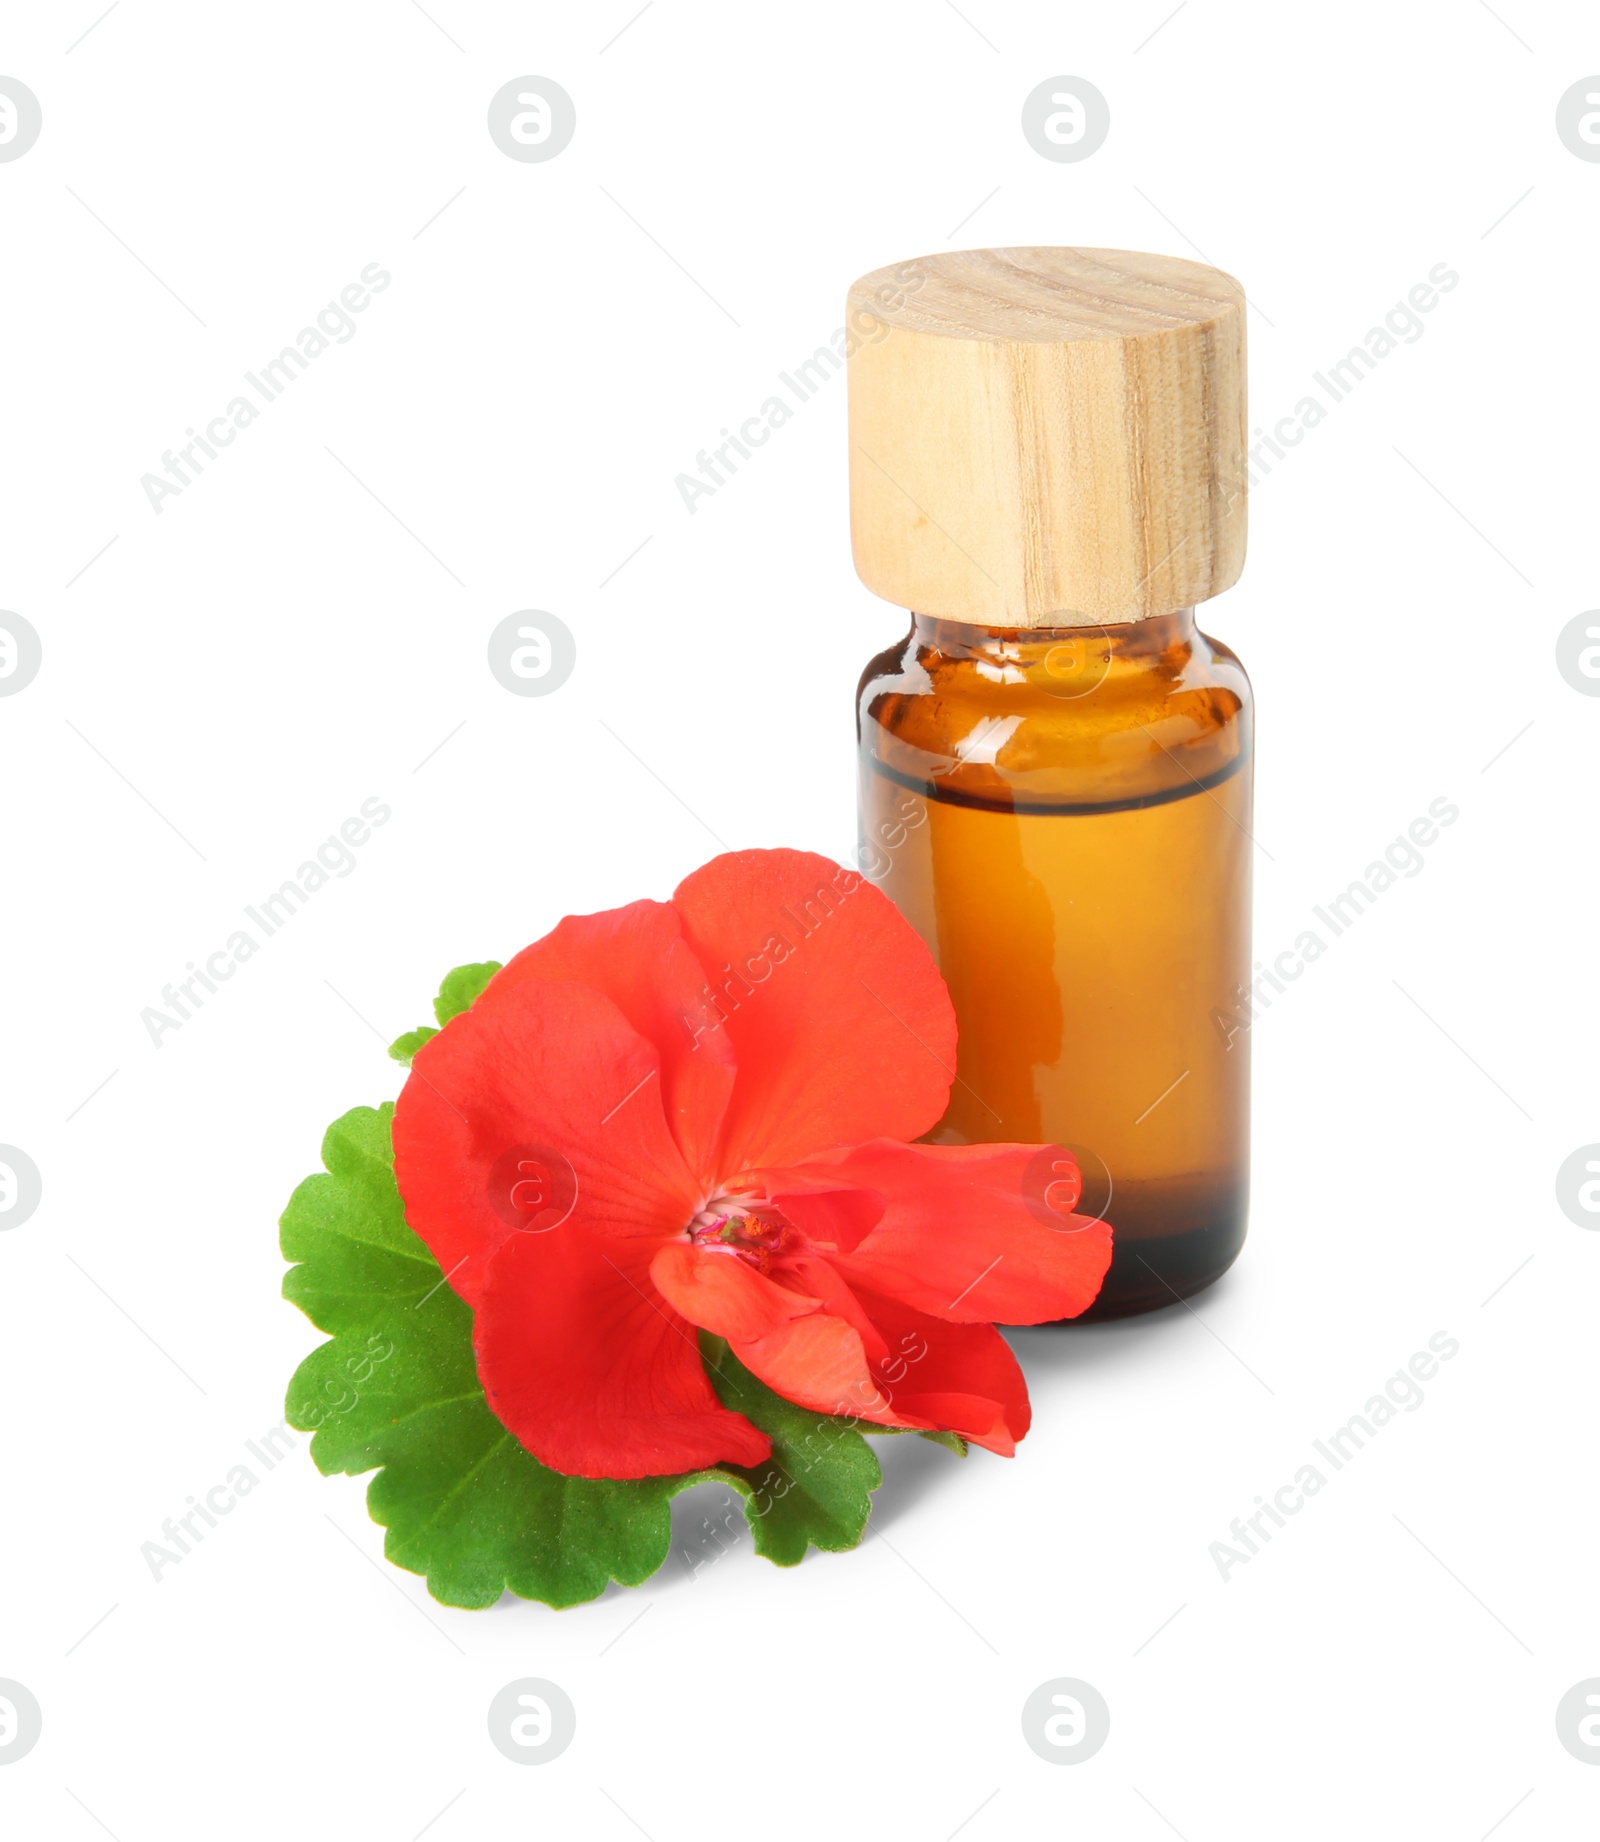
(742, 1225)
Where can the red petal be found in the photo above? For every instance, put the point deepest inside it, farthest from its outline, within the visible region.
(837, 1220)
(958, 1378)
(961, 1378)
(819, 1277)
(591, 1371)
(722, 1293)
(555, 1071)
(977, 1419)
(840, 1023)
(966, 1233)
(817, 1362)
(638, 958)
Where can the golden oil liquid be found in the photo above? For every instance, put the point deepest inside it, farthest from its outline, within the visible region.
(1079, 865)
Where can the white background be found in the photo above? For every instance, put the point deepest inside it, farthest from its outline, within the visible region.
(227, 682)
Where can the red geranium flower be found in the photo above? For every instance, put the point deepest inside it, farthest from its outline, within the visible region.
(695, 1113)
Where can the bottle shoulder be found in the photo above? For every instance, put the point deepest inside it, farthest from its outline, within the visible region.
(1103, 716)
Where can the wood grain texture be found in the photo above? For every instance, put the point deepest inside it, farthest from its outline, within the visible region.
(1047, 437)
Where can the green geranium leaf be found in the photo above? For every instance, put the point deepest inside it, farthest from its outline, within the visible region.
(461, 989)
(397, 1390)
(815, 1491)
(952, 1442)
(404, 1047)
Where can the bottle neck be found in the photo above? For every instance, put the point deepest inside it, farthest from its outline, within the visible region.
(1129, 639)
(1062, 658)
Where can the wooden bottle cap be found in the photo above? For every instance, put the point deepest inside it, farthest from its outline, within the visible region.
(1047, 437)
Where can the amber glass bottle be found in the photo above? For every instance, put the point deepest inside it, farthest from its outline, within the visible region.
(1055, 765)
(1064, 818)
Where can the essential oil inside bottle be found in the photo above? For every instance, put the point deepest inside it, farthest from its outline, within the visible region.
(1064, 816)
